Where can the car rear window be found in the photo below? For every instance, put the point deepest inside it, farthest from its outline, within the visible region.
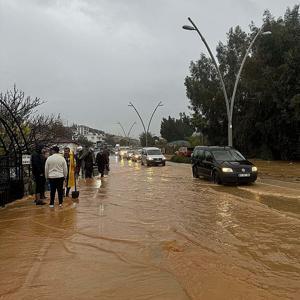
(227, 155)
(154, 152)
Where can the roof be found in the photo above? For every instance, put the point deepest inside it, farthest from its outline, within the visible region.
(65, 141)
(180, 143)
(214, 147)
(151, 148)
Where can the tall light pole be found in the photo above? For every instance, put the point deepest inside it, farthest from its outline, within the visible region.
(229, 103)
(127, 136)
(119, 123)
(146, 131)
(129, 131)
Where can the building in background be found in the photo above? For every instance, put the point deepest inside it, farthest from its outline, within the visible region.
(62, 143)
(94, 136)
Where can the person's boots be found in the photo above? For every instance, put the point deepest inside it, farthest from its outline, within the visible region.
(38, 200)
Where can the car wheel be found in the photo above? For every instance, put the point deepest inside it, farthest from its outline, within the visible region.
(195, 172)
(142, 162)
(216, 177)
(164, 163)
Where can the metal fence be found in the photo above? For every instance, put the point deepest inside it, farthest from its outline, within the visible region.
(11, 179)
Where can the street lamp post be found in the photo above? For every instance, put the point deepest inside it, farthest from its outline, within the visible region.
(229, 103)
(129, 131)
(127, 136)
(119, 123)
(146, 131)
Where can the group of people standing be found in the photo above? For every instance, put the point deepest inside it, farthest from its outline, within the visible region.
(61, 170)
(85, 161)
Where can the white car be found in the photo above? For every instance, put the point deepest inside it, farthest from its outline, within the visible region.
(152, 156)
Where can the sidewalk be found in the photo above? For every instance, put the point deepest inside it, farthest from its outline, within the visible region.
(280, 170)
(278, 178)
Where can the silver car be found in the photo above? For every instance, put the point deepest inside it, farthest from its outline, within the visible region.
(152, 156)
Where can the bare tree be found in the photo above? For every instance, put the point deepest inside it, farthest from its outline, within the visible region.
(19, 120)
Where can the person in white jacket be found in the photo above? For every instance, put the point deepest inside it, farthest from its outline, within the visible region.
(56, 171)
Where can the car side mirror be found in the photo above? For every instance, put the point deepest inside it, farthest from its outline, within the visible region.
(209, 158)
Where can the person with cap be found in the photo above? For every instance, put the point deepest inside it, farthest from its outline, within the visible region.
(56, 171)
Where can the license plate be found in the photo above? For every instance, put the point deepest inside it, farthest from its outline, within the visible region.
(244, 175)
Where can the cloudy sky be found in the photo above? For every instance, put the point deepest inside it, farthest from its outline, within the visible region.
(88, 58)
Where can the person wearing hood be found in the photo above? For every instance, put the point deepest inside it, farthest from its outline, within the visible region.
(89, 163)
(102, 162)
(38, 172)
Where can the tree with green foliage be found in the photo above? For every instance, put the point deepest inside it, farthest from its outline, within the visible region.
(176, 129)
(266, 114)
(83, 141)
(150, 139)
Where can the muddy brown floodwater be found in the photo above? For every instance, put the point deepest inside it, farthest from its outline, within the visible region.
(154, 233)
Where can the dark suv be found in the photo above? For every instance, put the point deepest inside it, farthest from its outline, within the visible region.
(222, 165)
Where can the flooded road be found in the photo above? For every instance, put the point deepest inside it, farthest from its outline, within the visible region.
(154, 233)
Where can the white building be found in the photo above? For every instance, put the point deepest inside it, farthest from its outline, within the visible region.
(92, 135)
(82, 130)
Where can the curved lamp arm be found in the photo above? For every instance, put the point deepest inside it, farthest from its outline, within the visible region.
(216, 65)
(240, 71)
(130, 104)
(122, 129)
(129, 131)
(157, 106)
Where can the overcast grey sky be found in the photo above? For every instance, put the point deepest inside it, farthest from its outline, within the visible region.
(88, 58)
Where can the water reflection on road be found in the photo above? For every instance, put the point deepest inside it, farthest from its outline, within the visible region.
(153, 233)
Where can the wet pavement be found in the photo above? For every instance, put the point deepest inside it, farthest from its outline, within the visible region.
(155, 233)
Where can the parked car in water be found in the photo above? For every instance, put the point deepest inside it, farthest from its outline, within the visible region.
(222, 165)
(184, 151)
(152, 156)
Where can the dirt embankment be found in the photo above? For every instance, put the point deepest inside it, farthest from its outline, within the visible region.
(280, 170)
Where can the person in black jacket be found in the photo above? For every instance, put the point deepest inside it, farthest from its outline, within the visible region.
(102, 161)
(38, 172)
(106, 153)
(89, 163)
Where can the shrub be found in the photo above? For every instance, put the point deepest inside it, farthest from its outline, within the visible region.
(180, 159)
